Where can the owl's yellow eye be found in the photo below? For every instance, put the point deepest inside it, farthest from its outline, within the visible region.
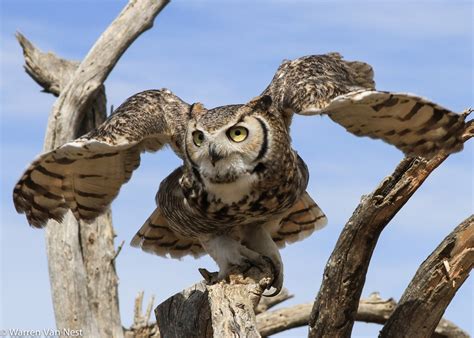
(237, 134)
(198, 137)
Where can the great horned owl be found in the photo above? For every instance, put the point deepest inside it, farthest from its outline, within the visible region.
(241, 191)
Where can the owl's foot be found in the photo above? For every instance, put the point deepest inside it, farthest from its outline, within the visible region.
(217, 276)
(232, 257)
(258, 239)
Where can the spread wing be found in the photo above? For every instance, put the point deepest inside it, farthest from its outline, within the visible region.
(85, 175)
(345, 91)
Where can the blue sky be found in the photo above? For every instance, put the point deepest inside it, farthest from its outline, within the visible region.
(227, 52)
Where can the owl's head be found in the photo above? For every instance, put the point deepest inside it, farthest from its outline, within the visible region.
(227, 142)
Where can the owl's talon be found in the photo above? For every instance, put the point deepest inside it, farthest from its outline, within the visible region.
(274, 293)
(277, 281)
(209, 277)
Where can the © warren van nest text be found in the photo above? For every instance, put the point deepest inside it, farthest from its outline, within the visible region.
(46, 333)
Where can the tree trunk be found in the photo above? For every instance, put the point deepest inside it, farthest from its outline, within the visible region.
(81, 255)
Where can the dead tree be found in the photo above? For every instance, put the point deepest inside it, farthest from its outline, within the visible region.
(81, 256)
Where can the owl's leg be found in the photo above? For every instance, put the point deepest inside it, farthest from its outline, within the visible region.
(228, 253)
(258, 238)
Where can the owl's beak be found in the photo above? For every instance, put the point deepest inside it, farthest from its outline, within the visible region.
(214, 155)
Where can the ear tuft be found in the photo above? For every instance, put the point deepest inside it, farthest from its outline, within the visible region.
(197, 109)
(261, 102)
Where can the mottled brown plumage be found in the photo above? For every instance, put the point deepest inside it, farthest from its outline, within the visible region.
(240, 192)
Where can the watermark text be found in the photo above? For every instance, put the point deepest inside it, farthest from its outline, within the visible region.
(43, 333)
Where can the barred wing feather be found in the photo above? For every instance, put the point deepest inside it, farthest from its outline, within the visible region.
(85, 175)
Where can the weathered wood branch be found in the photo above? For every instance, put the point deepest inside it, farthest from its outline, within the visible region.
(371, 310)
(225, 309)
(54, 73)
(335, 307)
(272, 322)
(434, 285)
(81, 255)
(48, 70)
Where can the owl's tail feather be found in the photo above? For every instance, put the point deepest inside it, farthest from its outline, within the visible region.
(156, 236)
(301, 221)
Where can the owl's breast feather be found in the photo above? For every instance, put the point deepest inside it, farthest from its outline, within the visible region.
(232, 192)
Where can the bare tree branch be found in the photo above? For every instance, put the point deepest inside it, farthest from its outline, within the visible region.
(49, 71)
(81, 255)
(272, 322)
(335, 307)
(54, 73)
(434, 285)
(447, 329)
(371, 310)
